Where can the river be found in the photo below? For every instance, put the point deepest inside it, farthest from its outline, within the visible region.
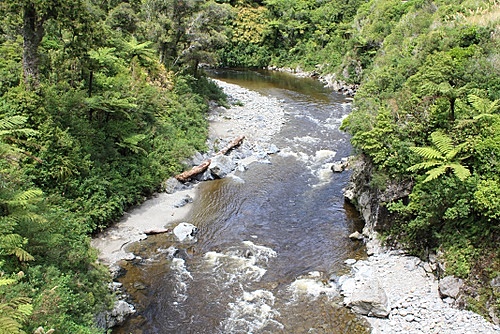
(270, 238)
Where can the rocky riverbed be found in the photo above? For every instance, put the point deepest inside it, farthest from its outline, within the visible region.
(396, 293)
(400, 294)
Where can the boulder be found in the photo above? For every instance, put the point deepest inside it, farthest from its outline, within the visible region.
(449, 286)
(221, 165)
(184, 201)
(369, 298)
(172, 185)
(185, 231)
(121, 310)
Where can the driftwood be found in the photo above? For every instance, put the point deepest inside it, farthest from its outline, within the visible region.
(234, 143)
(185, 176)
(158, 231)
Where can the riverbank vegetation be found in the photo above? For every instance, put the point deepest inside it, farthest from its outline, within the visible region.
(99, 103)
(101, 100)
(427, 111)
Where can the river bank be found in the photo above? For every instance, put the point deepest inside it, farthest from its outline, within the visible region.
(250, 114)
(413, 302)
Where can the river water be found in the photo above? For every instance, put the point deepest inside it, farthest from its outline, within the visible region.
(270, 239)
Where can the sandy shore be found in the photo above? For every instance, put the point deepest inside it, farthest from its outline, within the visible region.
(251, 114)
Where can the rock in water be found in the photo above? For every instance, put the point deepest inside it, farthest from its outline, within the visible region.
(185, 231)
(119, 313)
(356, 236)
(221, 165)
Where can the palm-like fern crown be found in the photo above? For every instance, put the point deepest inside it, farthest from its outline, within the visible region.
(440, 158)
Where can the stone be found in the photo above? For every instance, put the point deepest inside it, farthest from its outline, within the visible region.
(449, 286)
(350, 262)
(185, 231)
(172, 185)
(183, 202)
(369, 298)
(121, 310)
(221, 165)
(356, 236)
(339, 166)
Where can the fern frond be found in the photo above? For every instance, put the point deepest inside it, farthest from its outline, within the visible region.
(443, 143)
(23, 255)
(12, 122)
(28, 195)
(435, 173)
(452, 153)
(427, 153)
(9, 326)
(460, 171)
(424, 165)
(6, 281)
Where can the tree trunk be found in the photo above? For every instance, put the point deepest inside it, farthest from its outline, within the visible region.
(183, 177)
(187, 175)
(32, 35)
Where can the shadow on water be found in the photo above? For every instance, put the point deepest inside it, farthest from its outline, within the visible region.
(269, 239)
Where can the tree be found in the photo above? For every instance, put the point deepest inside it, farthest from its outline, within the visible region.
(186, 31)
(34, 16)
(441, 158)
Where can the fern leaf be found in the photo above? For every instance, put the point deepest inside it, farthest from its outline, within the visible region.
(9, 326)
(435, 173)
(424, 165)
(6, 281)
(25, 309)
(452, 153)
(443, 143)
(12, 122)
(28, 195)
(427, 152)
(460, 171)
(23, 255)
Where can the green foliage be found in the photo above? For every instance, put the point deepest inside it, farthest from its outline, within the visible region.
(105, 124)
(13, 311)
(440, 159)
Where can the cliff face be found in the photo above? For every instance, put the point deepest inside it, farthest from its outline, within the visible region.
(371, 201)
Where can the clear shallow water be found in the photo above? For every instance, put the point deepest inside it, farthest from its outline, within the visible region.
(269, 238)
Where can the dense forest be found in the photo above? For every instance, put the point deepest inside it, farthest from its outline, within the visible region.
(100, 101)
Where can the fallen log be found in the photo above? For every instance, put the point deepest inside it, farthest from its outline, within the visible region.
(157, 231)
(185, 176)
(234, 143)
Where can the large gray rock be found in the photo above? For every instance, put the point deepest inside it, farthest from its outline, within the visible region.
(369, 298)
(221, 165)
(449, 286)
(172, 185)
(119, 313)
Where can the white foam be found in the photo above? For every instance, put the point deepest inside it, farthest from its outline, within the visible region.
(252, 312)
(240, 264)
(312, 285)
(323, 155)
(182, 276)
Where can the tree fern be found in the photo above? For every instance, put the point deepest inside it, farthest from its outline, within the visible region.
(443, 143)
(440, 159)
(13, 312)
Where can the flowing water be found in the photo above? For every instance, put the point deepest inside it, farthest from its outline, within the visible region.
(270, 239)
